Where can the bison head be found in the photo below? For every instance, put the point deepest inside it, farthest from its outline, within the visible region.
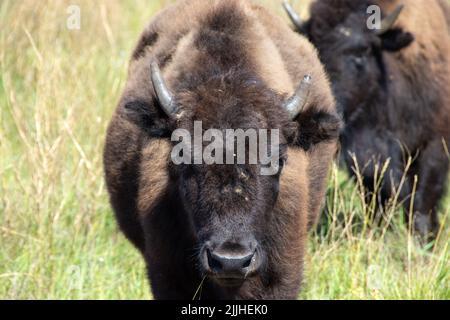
(229, 206)
(351, 51)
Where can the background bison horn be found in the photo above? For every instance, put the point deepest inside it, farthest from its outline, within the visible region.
(295, 104)
(163, 93)
(293, 15)
(389, 21)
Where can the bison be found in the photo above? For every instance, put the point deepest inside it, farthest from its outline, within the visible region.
(221, 231)
(392, 86)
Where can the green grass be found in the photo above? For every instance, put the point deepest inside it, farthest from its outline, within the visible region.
(58, 237)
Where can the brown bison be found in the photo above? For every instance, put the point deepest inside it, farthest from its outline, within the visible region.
(224, 231)
(392, 84)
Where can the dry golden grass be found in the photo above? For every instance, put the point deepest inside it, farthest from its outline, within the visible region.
(58, 238)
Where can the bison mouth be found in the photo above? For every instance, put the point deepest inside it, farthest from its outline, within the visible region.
(229, 281)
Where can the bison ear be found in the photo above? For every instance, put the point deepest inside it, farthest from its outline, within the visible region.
(156, 115)
(396, 39)
(314, 127)
(148, 118)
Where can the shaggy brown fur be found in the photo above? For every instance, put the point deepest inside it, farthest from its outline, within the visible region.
(394, 94)
(230, 64)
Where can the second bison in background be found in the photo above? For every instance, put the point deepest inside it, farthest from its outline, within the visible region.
(231, 65)
(393, 87)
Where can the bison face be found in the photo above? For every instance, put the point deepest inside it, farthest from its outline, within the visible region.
(230, 208)
(230, 205)
(352, 56)
(351, 52)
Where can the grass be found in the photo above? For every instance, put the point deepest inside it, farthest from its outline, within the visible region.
(58, 237)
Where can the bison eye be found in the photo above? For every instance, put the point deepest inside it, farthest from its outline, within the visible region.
(358, 61)
(359, 57)
(361, 52)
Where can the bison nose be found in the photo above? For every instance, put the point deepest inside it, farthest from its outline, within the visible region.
(232, 261)
(229, 264)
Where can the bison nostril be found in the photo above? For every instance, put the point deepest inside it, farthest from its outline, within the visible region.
(248, 262)
(214, 264)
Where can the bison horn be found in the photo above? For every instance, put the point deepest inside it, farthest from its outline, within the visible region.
(295, 104)
(390, 20)
(293, 15)
(163, 93)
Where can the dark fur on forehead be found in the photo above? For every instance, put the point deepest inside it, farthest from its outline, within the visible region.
(236, 99)
(328, 14)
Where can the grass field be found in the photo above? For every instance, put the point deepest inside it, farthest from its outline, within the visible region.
(58, 237)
